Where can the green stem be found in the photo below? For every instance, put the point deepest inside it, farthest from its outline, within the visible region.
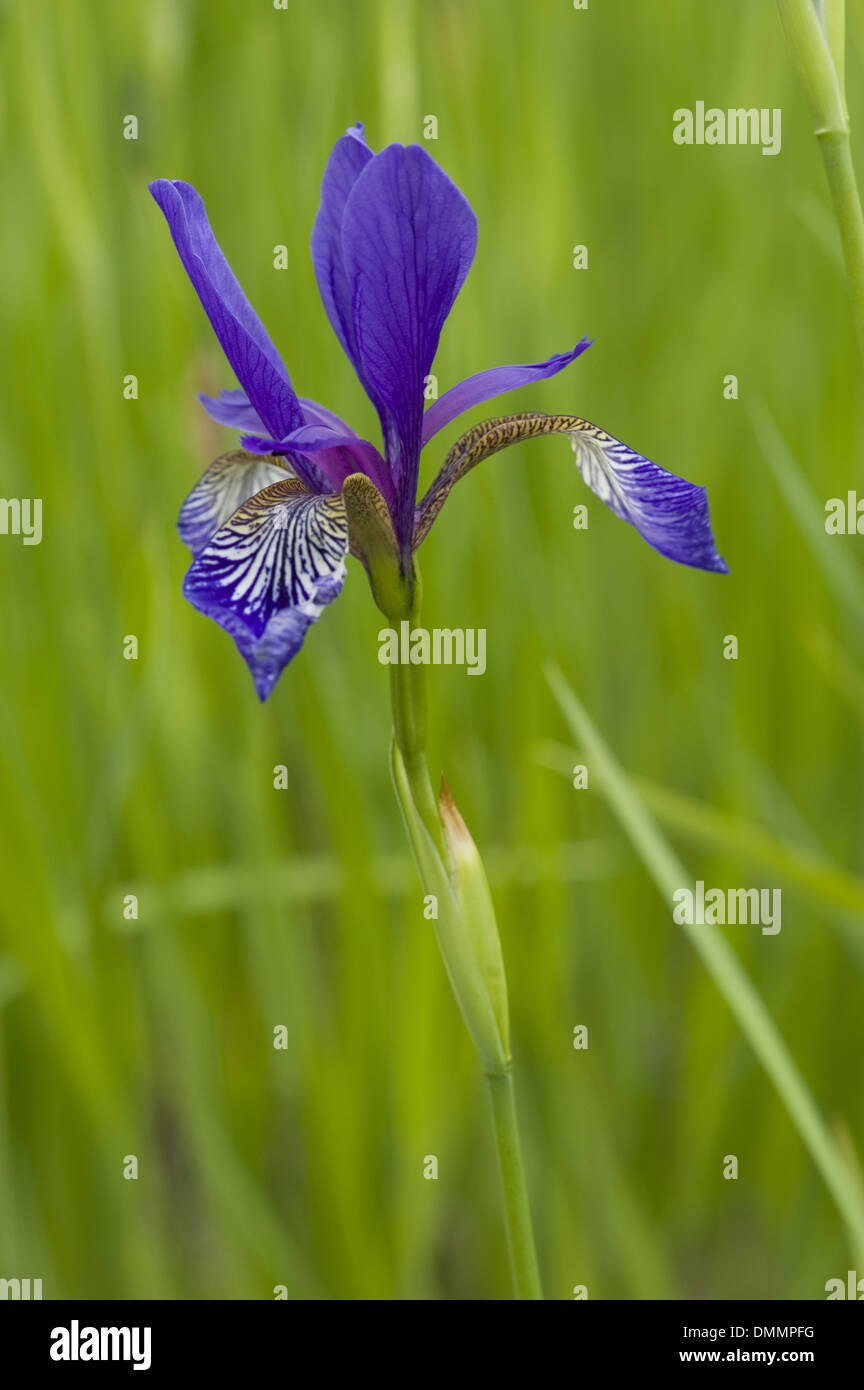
(837, 158)
(817, 42)
(520, 1237)
(408, 699)
(457, 933)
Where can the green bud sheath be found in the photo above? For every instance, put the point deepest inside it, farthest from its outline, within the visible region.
(457, 936)
(477, 910)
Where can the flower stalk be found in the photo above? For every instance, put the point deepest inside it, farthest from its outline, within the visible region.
(408, 702)
(451, 872)
(816, 42)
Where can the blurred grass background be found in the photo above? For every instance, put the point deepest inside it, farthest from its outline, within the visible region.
(259, 908)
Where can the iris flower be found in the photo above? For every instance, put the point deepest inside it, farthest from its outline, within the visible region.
(270, 525)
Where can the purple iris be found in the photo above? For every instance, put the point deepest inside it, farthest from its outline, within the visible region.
(270, 525)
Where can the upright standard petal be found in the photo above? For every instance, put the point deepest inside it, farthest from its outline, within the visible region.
(408, 240)
(669, 513)
(483, 386)
(244, 339)
(347, 161)
(229, 482)
(269, 572)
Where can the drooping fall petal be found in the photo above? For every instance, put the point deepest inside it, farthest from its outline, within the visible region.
(668, 512)
(229, 482)
(267, 574)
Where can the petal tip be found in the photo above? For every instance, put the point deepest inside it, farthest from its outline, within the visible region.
(160, 190)
(264, 685)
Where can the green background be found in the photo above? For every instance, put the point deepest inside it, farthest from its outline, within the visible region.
(304, 1167)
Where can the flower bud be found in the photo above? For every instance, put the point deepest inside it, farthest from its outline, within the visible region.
(464, 926)
(477, 910)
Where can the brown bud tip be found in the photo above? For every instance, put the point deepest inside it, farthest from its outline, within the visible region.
(458, 836)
